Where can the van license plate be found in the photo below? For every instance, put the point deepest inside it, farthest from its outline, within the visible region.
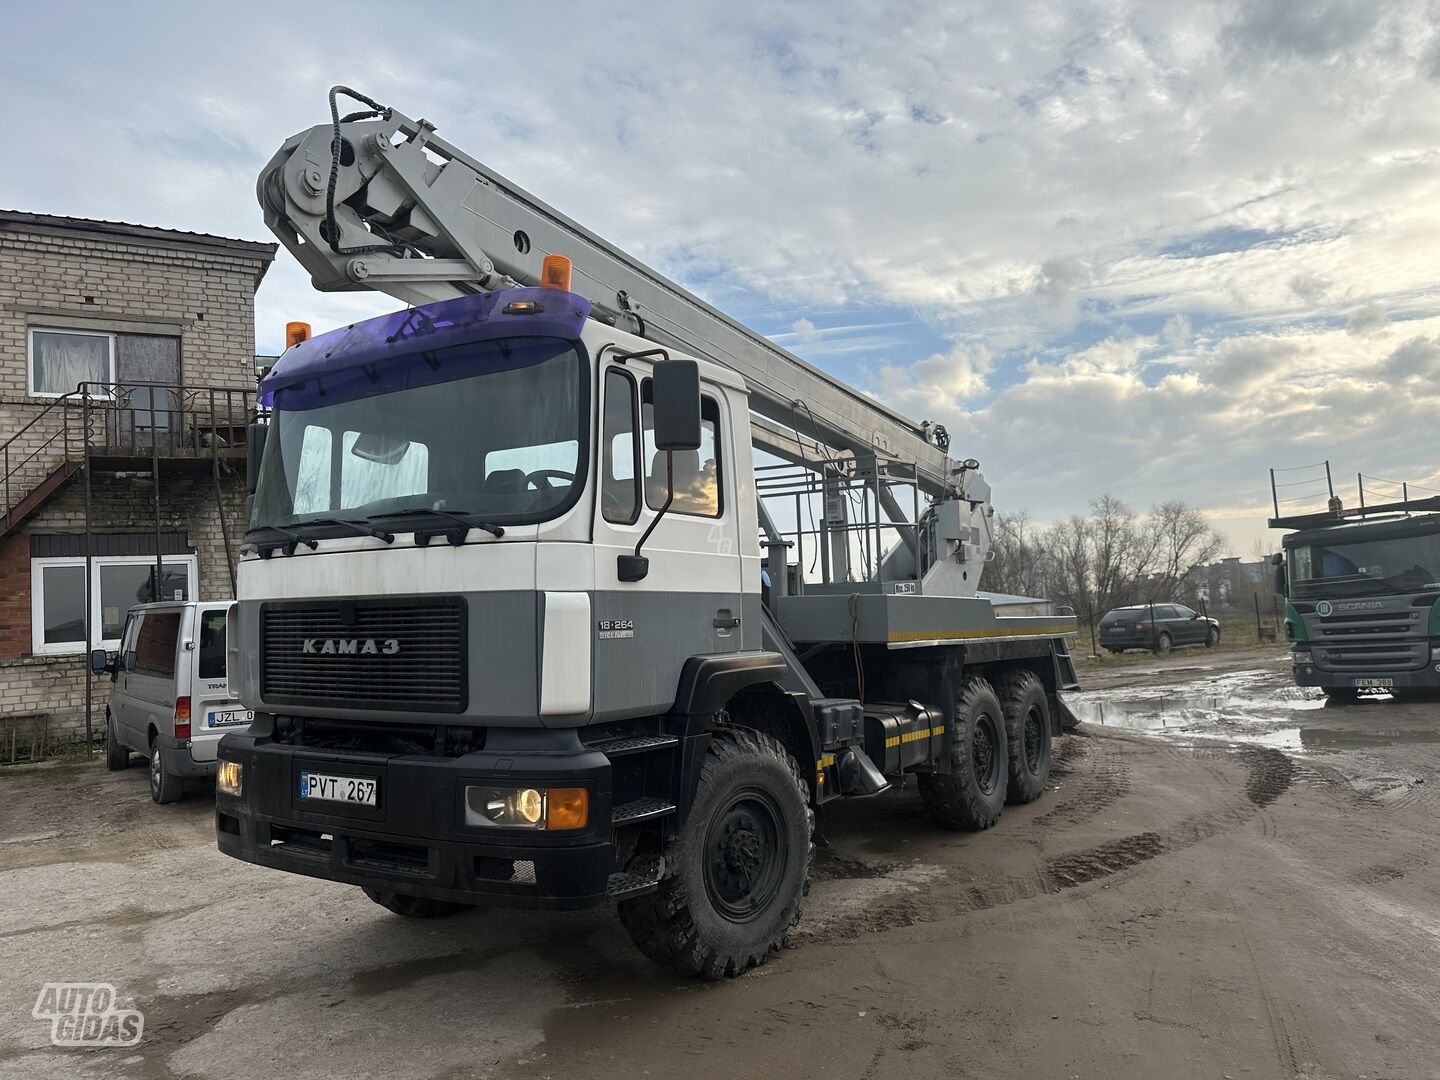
(228, 717)
(1384, 684)
(346, 789)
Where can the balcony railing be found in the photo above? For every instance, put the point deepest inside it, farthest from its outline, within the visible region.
(116, 421)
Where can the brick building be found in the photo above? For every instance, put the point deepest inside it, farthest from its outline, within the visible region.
(126, 352)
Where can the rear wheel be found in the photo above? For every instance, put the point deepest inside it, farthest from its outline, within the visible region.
(1163, 644)
(165, 787)
(117, 754)
(735, 878)
(1027, 728)
(972, 794)
(415, 907)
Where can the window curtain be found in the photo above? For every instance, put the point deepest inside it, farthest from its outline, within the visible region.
(64, 361)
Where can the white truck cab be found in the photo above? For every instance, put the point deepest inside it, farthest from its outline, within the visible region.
(171, 700)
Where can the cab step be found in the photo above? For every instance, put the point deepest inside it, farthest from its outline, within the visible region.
(640, 810)
(635, 744)
(642, 877)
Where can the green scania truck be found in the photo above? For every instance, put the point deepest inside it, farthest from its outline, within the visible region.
(1361, 585)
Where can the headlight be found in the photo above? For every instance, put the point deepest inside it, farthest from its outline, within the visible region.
(228, 777)
(527, 808)
(1435, 652)
(1302, 656)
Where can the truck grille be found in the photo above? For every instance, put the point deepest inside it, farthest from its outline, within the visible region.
(1368, 641)
(405, 655)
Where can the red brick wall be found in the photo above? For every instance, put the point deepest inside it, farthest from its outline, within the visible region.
(14, 595)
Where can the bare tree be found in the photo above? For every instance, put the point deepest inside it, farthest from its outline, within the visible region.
(1180, 540)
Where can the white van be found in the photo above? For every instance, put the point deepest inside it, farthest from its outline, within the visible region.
(171, 700)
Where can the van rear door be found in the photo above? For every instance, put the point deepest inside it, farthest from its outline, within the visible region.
(214, 712)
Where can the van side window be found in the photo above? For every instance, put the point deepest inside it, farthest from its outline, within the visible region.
(620, 480)
(697, 472)
(212, 645)
(155, 644)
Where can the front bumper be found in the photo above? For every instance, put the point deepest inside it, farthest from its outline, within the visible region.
(1413, 679)
(415, 840)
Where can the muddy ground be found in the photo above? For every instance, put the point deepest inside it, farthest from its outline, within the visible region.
(1228, 879)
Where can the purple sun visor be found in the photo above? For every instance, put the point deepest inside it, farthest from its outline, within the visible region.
(334, 365)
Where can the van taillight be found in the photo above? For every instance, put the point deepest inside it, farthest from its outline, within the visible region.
(182, 718)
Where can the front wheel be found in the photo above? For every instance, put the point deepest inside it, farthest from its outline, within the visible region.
(1212, 637)
(117, 754)
(415, 907)
(972, 794)
(736, 876)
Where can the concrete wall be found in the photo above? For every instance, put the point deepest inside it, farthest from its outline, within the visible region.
(71, 273)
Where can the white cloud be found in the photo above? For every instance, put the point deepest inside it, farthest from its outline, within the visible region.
(1367, 321)
(1176, 332)
(1138, 228)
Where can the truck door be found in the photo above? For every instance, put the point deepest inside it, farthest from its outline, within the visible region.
(689, 602)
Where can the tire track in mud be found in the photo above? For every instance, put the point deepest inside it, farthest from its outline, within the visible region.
(1105, 781)
(1269, 773)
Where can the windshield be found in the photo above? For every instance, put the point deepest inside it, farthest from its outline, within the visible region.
(491, 430)
(1403, 564)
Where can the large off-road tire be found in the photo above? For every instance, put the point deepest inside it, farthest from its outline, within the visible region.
(117, 754)
(165, 787)
(972, 794)
(1027, 727)
(735, 878)
(1163, 644)
(415, 907)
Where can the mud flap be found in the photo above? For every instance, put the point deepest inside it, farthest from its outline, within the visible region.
(1062, 720)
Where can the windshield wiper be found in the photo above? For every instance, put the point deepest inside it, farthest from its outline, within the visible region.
(359, 526)
(455, 537)
(290, 543)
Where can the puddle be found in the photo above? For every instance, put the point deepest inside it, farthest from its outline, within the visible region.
(1254, 708)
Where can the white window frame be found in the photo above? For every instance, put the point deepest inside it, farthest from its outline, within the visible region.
(30, 356)
(40, 647)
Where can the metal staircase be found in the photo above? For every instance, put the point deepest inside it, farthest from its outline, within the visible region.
(119, 428)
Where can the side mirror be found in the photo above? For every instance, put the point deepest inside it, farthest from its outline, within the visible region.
(99, 661)
(1282, 585)
(675, 392)
(255, 438)
(127, 661)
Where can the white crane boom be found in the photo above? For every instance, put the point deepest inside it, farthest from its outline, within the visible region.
(378, 201)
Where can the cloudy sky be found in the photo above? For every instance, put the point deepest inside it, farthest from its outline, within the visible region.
(1151, 249)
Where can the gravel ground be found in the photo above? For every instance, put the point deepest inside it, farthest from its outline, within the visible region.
(1228, 878)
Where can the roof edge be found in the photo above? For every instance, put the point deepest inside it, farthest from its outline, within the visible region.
(20, 220)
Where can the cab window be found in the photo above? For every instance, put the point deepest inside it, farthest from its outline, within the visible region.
(620, 452)
(697, 472)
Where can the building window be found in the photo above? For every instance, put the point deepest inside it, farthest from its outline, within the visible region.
(118, 583)
(60, 360)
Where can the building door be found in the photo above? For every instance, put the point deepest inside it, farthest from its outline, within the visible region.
(147, 371)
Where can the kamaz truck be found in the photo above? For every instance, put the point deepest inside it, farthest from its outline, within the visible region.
(1361, 585)
(562, 588)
